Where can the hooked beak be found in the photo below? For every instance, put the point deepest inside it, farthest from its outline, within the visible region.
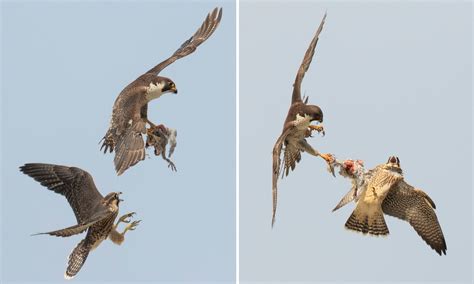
(174, 90)
(118, 193)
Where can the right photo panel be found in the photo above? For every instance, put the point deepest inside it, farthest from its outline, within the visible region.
(355, 141)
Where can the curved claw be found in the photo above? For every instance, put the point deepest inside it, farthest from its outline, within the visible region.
(133, 225)
(126, 218)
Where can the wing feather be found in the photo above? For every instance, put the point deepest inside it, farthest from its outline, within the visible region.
(75, 184)
(415, 207)
(308, 57)
(276, 166)
(207, 28)
(130, 148)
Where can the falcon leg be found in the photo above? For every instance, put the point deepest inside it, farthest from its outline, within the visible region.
(329, 158)
(118, 238)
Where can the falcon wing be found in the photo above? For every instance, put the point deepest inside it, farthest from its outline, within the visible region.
(130, 147)
(73, 183)
(202, 34)
(415, 206)
(350, 196)
(126, 128)
(277, 164)
(308, 57)
(76, 229)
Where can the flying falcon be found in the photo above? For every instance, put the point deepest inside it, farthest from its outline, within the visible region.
(385, 191)
(93, 212)
(129, 114)
(297, 127)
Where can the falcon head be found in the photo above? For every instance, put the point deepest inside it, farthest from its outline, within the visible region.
(393, 161)
(168, 85)
(314, 112)
(112, 198)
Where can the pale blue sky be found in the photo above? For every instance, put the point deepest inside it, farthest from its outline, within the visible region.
(392, 79)
(63, 65)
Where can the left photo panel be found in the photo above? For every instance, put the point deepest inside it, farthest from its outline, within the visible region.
(118, 141)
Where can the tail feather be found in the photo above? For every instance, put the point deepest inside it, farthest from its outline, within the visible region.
(372, 224)
(76, 259)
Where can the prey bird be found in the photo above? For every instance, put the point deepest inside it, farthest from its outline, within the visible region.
(297, 127)
(94, 212)
(129, 114)
(383, 190)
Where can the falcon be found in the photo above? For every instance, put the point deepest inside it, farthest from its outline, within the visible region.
(385, 191)
(94, 213)
(129, 113)
(297, 127)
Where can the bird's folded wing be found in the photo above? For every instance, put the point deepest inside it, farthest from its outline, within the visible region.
(409, 204)
(130, 148)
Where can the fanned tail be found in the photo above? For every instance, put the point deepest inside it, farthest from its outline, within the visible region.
(373, 224)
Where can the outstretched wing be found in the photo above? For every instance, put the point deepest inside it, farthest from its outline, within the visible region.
(414, 206)
(202, 34)
(75, 184)
(308, 57)
(277, 165)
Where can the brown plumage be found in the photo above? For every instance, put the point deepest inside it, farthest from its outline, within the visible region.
(297, 126)
(93, 212)
(129, 114)
(383, 190)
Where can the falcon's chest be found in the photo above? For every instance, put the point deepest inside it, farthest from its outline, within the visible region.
(302, 122)
(154, 91)
(301, 125)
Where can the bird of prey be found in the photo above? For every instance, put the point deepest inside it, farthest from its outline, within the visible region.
(297, 127)
(384, 191)
(129, 114)
(94, 212)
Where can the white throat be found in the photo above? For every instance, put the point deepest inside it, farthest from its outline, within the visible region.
(154, 91)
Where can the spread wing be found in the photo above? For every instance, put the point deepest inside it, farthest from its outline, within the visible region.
(202, 34)
(415, 206)
(290, 159)
(308, 57)
(73, 183)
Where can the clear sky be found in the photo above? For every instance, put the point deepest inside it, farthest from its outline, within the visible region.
(63, 65)
(392, 79)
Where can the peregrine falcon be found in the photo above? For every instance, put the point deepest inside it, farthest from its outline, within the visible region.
(384, 191)
(93, 212)
(129, 114)
(297, 127)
